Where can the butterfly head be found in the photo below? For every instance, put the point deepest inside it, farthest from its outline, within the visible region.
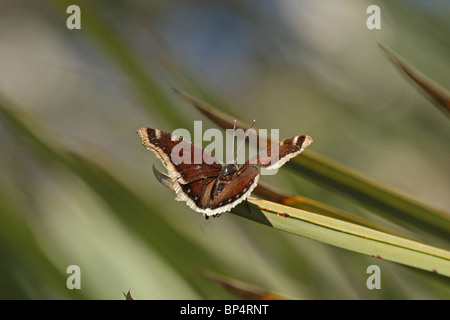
(228, 171)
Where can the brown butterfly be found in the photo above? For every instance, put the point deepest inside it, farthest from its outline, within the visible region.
(210, 187)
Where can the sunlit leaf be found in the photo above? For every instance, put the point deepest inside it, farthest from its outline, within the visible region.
(348, 236)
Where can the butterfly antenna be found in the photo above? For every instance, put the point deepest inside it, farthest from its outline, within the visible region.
(240, 145)
(234, 134)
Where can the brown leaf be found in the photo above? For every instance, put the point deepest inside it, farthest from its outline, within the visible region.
(128, 295)
(242, 289)
(439, 96)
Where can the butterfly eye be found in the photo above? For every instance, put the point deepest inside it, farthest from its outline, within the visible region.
(229, 170)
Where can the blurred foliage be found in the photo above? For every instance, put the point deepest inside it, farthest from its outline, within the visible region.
(76, 187)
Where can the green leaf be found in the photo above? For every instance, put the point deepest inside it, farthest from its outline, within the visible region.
(347, 235)
(388, 203)
(304, 203)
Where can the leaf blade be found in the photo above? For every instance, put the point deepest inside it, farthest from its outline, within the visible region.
(436, 94)
(348, 236)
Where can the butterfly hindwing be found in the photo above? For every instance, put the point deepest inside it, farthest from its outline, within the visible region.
(236, 190)
(196, 194)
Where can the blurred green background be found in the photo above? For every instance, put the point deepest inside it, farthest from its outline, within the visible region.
(85, 193)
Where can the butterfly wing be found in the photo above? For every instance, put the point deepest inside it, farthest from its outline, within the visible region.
(275, 156)
(179, 156)
(196, 194)
(191, 182)
(234, 191)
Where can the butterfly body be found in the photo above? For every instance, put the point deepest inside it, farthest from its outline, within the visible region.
(210, 187)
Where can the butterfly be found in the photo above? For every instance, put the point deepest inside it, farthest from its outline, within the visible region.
(210, 187)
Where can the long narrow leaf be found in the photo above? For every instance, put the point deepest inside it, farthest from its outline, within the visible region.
(348, 236)
(438, 95)
(303, 203)
(19, 247)
(243, 289)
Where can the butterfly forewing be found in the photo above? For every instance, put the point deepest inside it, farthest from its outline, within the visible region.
(171, 151)
(275, 156)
